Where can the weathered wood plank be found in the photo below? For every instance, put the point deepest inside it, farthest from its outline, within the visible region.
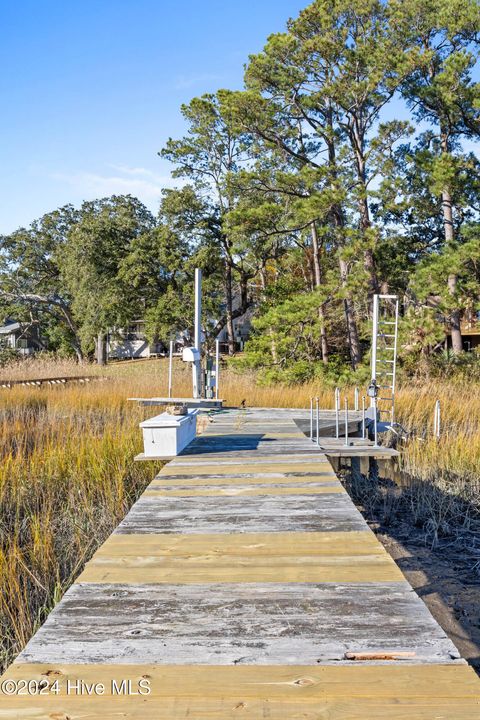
(217, 624)
(325, 513)
(293, 469)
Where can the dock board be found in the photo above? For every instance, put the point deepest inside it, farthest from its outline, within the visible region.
(241, 585)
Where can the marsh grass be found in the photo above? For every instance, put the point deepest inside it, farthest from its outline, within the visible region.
(67, 475)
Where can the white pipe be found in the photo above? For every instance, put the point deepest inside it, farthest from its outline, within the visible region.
(436, 420)
(346, 421)
(197, 393)
(311, 419)
(337, 413)
(170, 364)
(374, 341)
(364, 424)
(217, 368)
(198, 309)
(375, 427)
(357, 393)
(317, 402)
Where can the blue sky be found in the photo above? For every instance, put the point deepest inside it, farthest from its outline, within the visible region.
(91, 90)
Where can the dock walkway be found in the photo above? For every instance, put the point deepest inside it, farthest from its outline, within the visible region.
(244, 583)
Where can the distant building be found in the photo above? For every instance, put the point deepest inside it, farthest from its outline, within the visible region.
(24, 338)
(131, 342)
(469, 325)
(242, 327)
(470, 329)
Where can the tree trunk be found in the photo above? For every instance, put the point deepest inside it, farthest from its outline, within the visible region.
(78, 352)
(353, 341)
(229, 303)
(101, 349)
(358, 143)
(273, 344)
(447, 210)
(338, 223)
(455, 331)
(318, 283)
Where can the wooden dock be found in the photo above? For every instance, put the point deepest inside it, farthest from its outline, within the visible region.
(38, 382)
(243, 584)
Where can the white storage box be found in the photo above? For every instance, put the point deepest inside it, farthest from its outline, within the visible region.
(167, 435)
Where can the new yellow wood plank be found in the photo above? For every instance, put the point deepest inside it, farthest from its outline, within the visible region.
(292, 544)
(151, 708)
(144, 570)
(301, 683)
(235, 491)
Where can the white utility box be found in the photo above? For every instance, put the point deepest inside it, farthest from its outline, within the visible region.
(167, 435)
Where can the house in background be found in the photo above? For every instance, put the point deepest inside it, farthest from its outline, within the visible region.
(470, 329)
(24, 338)
(242, 327)
(131, 342)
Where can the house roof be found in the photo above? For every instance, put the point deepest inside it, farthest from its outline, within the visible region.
(11, 327)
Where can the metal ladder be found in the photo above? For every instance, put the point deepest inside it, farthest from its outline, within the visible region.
(384, 353)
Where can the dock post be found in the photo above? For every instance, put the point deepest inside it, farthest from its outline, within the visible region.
(337, 412)
(375, 421)
(170, 362)
(317, 404)
(436, 420)
(311, 419)
(346, 421)
(198, 331)
(357, 394)
(217, 368)
(364, 424)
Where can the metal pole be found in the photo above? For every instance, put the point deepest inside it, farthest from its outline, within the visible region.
(170, 365)
(198, 328)
(357, 394)
(198, 309)
(374, 341)
(394, 370)
(217, 368)
(375, 422)
(317, 403)
(436, 420)
(311, 419)
(337, 413)
(364, 425)
(346, 421)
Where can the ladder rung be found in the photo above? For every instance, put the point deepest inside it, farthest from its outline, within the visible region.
(384, 335)
(385, 374)
(384, 362)
(386, 322)
(389, 398)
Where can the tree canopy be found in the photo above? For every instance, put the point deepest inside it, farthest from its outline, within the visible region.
(346, 166)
